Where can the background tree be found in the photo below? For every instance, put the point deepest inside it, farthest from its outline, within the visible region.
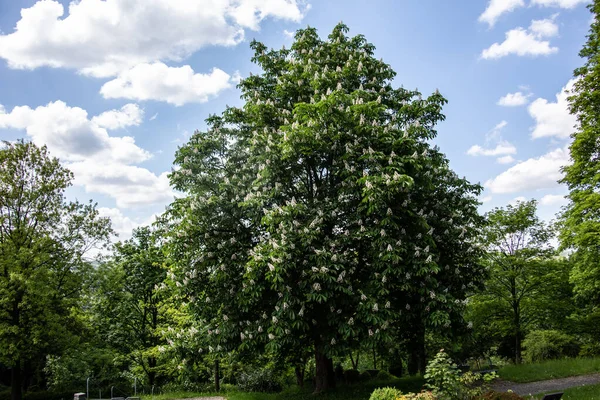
(319, 212)
(523, 274)
(581, 218)
(43, 241)
(130, 306)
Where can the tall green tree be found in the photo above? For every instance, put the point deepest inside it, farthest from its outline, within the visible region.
(523, 269)
(319, 214)
(43, 243)
(130, 305)
(581, 229)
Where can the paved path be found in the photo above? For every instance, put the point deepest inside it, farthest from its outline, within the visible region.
(551, 385)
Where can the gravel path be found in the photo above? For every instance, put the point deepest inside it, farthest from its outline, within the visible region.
(551, 385)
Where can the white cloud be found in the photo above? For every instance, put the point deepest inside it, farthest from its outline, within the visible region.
(103, 38)
(72, 136)
(553, 200)
(500, 149)
(535, 173)
(496, 8)
(128, 115)
(513, 99)
(129, 185)
(289, 34)
(505, 160)
(152, 118)
(559, 3)
(175, 85)
(525, 42)
(100, 163)
(553, 119)
(122, 224)
(486, 199)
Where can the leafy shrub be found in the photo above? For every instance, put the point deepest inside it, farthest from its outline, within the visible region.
(259, 380)
(417, 396)
(364, 376)
(351, 376)
(5, 395)
(386, 393)
(384, 375)
(543, 345)
(443, 377)
(500, 396)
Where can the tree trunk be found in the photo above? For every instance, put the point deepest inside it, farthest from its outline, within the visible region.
(517, 326)
(151, 370)
(416, 358)
(299, 370)
(324, 375)
(217, 378)
(15, 382)
(374, 357)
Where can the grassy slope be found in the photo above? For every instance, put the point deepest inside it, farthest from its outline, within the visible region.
(550, 369)
(591, 392)
(359, 391)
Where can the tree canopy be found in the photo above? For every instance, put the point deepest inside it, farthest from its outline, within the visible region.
(319, 213)
(43, 243)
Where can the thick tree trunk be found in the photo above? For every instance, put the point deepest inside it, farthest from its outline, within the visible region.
(299, 370)
(217, 377)
(416, 359)
(324, 375)
(15, 382)
(151, 370)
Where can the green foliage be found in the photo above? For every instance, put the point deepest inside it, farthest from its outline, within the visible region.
(130, 303)
(386, 393)
(259, 380)
(43, 243)
(541, 345)
(351, 376)
(365, 376)
(384, 375)
(318, 213)
(550, 369)
(443, 377)
(527, 284)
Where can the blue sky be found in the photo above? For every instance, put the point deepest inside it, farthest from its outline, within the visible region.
(114, 86)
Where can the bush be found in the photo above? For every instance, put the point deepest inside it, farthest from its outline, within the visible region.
(500, 396)
(417, 396)
(384, 375)
(386, 393)
(259, 380)
(442, 377)
(364, 376)
(351, 376)
(543, 345)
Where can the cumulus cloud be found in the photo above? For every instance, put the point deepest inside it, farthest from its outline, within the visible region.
(525, 42)
(486, 199)
(131, 186)
(553, 119)
(553, 200)
(100, 163)
(514, 99)
(505, 160)
(496, 8)
(103, 38)
(500, 149)
(175, 85)
(129, 114)
(535, 173)
(72, 136)
(559, 3)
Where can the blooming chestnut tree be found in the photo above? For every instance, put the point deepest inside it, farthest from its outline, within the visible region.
(319, 214)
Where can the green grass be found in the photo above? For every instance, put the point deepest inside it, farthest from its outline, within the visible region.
(591, 392)
(359, 391)
(550, 369)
